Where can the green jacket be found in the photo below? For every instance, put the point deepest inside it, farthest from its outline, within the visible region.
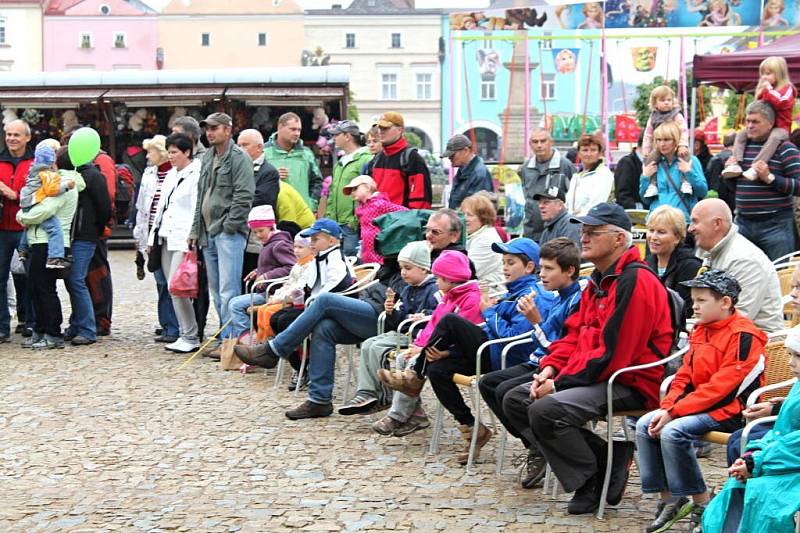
(226, 195)
(62, 206)
(304, 173)
(341, 206)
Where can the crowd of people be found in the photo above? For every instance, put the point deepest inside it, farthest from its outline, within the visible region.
(260, 217)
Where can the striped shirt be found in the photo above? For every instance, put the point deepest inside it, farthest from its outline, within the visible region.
(755, 198)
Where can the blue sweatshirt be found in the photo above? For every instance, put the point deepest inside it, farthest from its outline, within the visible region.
(552, 327)
(422, 298)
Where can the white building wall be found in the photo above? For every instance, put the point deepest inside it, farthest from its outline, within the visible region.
(21, 49)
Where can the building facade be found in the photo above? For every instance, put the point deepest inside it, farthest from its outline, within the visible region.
(21, 35)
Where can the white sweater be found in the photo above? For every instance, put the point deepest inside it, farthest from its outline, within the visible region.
(488, 263)
(589, 188)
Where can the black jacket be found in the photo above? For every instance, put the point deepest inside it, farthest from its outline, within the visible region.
(726, 189)
(626, 180)
(683, 265)
(268, 183)
(94, 205)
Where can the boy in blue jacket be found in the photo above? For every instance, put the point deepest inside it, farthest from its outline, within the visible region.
(560, 267)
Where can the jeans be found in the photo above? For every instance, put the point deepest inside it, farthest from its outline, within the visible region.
(166, 313)
(240, 320)
(775, 235)
(669, 462)
(9, 241)
(55, 238)
(81, 320)
(224, 256)
(349, 240)
(331, 319)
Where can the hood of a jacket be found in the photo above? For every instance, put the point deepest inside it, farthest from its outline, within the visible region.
(278, 236)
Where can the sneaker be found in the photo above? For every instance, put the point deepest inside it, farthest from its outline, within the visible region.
(361, 403)
(19, 329)
(686, 187)
(48, 342)
(293, 381)
(258, 355)
(80, 340)
(406, 382)
(182, 346)
(309, 409)
(415, 423)
(58, 263)
(33, 339)
(27, 332)
(652, 190)
(533, 467)
(387, 425)
(696, 519)
(732, 171)
(668, 513)
(750, 174)
(587, 498)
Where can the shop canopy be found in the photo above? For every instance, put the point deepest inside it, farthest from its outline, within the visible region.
(739, 70)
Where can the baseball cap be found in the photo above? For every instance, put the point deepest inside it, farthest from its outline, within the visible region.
(520, 245)
(555, 192)
(605, 213)
(387, 120)
(217, 119)
(456, 143)
(718, 281)
(345, 126)
(359, 180)
(323, 225)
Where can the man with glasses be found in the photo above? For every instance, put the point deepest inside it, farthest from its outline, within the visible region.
(443, 232)
(555, 216)
(623, 320)
(399, 170)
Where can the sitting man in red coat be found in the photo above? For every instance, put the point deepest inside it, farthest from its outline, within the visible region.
(623, 320)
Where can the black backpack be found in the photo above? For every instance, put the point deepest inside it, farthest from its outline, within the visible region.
(676, 306)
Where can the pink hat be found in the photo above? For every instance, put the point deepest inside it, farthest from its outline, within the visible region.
(452, 266)
(261, 216)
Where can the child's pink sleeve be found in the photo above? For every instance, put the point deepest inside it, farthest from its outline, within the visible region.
(647, 139)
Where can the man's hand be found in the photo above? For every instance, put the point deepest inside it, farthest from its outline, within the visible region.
(543, 383)
(761, 409)
(70, 184)
(433, 354)
(414, 317)
(527, 306)
(283, 172)
(657, 423)
(684, 166)
(739, 470)
(683, 152)
(650, 169)
(761, 169)
(7, 191)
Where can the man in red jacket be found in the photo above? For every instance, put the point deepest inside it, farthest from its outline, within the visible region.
(15, 161)
(623, 320)
(399, 170)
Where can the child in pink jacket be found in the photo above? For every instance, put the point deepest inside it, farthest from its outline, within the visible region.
(371, 205)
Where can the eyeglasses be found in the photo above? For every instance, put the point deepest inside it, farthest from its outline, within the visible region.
(591, 233)
(435, 232)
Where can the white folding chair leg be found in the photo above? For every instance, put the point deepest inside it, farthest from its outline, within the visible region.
(437, 428)
(609, 461)
(473, 392)
(303, 361)
(279, 372)
(501, 450)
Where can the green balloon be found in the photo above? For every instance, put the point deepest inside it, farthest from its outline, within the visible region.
(83, 146)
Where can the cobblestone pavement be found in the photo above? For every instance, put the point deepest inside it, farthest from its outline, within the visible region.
(113, 437)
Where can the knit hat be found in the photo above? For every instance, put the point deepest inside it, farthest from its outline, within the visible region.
(793, 341)
(417, 253)
(302, 241)
(261, 216)
(44, 154)
(452, 266)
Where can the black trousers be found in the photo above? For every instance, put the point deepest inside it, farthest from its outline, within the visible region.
(249, 264)
(495, 385)
(46, 305)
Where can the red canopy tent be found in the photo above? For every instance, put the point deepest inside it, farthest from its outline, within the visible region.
(739, 70)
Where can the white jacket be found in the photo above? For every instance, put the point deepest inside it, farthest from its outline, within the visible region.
(488, 263)
(147, 190)
(333, 270)
(294, 289)
(760, 298)
(176, 205)
(589, 188)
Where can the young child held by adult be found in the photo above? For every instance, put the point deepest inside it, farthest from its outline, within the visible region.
(43, 181)
(664, 107)
(775, 88)
(419, 298)
(560, 263)
(275, 260)
(724, 364)
(370, 205)
(763, 492)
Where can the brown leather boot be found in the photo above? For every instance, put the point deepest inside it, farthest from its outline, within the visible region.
(406, 382)
(484, 434)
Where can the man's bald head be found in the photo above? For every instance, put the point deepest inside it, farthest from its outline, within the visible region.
(711, 221)
(252, 142)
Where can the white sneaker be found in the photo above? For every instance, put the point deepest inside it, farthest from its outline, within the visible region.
(652, 190)
(686, 187)
(732, 171)
(182, 346)
(750, 174)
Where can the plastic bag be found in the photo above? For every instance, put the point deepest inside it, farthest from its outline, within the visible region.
(185, 281)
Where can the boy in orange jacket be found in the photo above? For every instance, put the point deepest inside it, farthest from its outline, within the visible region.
(725, 362)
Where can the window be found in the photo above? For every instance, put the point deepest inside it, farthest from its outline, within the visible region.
(549, 87)
(205, 39)
(120, 41)
(488, 90)
(85, 40)
(2, 30)
(349, 40)
(424, 86)
(389, 86)
(105, 10)
(395, 40)
(262, 39)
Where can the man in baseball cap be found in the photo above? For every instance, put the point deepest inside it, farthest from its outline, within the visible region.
(472, 175)
(389, 119)
(217, 119)
(557, 222)
(345, 126)
(323, 225)
(605, 214)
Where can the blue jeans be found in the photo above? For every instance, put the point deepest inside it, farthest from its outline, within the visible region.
(350, 238)
(775, 235)
(166, 313)
(669, 463)
(9, 241)
(55, 238)
(81, 320)
(734, 450)
(332, 319)
(224, 256)
(240, 320)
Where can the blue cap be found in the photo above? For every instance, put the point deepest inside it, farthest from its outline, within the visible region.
(520, 245)
(323, 225)
(603, 214)
(44, 154)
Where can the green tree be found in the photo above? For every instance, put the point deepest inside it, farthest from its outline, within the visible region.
(413, 139)
(642, 102)
(732, 106)
(352, 110)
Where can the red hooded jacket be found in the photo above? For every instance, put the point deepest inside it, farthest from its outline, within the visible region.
(14, 177)
(623, 320)
(406, 184)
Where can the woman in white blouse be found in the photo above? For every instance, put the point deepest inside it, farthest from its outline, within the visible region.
(595, 183)
(480, 216)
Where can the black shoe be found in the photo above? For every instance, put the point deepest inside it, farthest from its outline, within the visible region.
(162, 338)
(257, 355)
(533, 469)
(158, 331)
(620, 470)
(303, 382)
(68, 337)
(4, 338)
(587, 498)
(310, 409)
(103, 332)
(27, 332)
(79, 340)
(19, 329)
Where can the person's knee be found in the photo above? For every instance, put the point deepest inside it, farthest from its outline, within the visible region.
(674, 432)
(515, 401)
(438, 373)
(544, 414)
